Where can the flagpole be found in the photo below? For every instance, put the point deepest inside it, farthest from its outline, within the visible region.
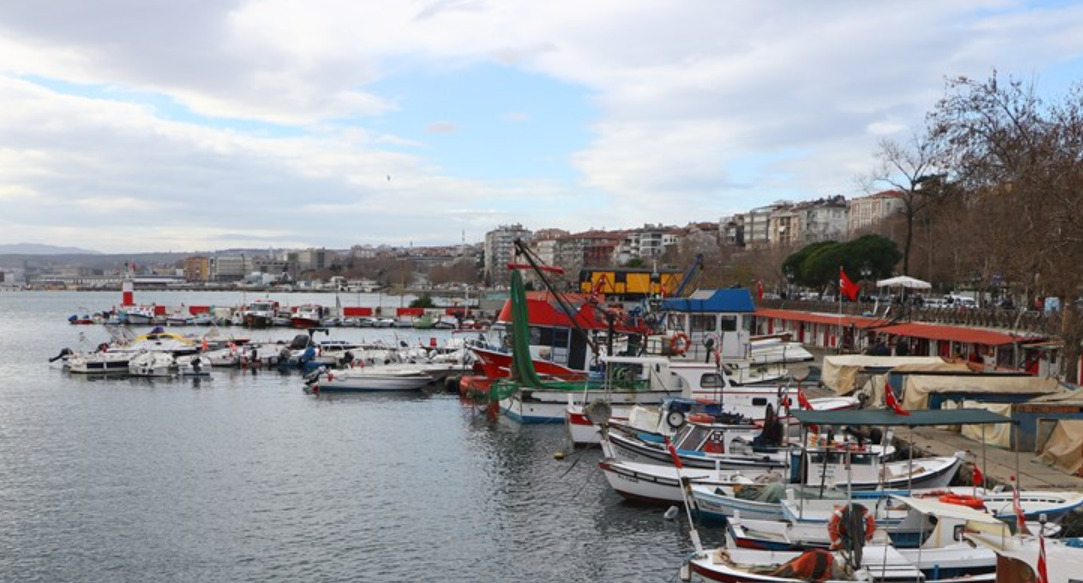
(838, 337)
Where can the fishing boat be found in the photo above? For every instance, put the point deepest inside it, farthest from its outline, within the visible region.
(1023, 557)
(308, 316)
(657, 483)
(700, 445)
(880, 563)
(260, 314)
(703, 382)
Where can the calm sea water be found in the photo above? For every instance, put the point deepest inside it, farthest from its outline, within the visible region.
(246, 478)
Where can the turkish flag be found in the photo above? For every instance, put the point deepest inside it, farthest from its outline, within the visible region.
(893, 403)
(847, 287)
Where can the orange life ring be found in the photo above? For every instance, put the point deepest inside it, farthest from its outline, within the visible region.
(679, 343)
(963, 500)
(836, 530)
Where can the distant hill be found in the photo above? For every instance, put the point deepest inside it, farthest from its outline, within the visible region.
(38, 249)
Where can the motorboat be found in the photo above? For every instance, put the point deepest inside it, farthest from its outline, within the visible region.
(152, 364)
(101, 362)
(369, 379)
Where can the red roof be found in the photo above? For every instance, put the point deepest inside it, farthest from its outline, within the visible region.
(820, 318)
(914, 330)
(952, 333)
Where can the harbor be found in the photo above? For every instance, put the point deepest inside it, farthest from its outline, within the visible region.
(395, 372)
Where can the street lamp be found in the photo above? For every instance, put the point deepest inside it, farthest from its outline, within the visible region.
(866, 272)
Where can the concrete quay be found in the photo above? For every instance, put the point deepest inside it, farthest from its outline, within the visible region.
(999, 464)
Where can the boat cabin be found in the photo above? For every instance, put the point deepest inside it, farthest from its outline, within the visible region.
(721, 318)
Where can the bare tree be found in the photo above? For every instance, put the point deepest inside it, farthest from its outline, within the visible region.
(910, 169)
(1021, 163)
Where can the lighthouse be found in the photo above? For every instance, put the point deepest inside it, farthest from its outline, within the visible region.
(127, 293)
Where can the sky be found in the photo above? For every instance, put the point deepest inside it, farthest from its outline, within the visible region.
(158, 125)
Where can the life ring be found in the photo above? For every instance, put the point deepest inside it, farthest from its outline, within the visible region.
(675, 419)
(679, 343)
(836, 527)
(963, 500)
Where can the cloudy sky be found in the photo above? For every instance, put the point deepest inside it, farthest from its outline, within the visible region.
(156, 125)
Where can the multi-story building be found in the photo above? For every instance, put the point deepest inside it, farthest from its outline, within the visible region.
(870, 210)
(731, 231)
(228, 267)
(312, 259)
(197, 268)
(755, 225)
(650, 242)
(546, 244)
(826, 219)
(785, 225)
(500, 249)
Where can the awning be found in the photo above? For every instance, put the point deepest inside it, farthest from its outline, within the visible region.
(888, 418)
(953, 333)
(904, 281)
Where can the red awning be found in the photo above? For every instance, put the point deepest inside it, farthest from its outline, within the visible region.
(913, 330)
(861, 322)
(953, 333)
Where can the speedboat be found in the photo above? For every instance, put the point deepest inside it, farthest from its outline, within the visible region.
(369, 379)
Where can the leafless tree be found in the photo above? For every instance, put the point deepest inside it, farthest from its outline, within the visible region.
(912, 170)
(1021, 165)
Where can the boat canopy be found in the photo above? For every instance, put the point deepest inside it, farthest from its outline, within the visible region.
(732, 300)
(888, 418)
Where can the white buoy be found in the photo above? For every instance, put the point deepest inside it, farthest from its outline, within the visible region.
(671, 513)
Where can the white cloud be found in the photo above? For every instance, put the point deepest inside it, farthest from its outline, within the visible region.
(700, 107)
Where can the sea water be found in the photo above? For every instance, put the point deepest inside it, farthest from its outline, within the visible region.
(245, 477)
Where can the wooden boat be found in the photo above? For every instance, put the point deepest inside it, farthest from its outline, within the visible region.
(1018, 557)
(880, 563)
(655, 483)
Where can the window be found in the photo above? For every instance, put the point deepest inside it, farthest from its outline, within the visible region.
(759, 401)
(711, 380)
(728, 323)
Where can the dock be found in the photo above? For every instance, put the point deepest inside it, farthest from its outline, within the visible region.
(1000, 464)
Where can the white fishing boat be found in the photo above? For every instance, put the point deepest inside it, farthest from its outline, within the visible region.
(720, 503)
(999, 501)
(705, 382)
(1020, 557)
(655, 483)
(880, 563)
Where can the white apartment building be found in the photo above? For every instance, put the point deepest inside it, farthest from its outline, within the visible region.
(500, 250)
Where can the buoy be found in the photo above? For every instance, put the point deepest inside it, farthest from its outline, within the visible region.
(671, 513)
(558, 455)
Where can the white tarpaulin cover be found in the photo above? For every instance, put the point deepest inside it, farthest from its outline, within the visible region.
(999, 435)
(840, 371)
(1065, 446)
(917, 388)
